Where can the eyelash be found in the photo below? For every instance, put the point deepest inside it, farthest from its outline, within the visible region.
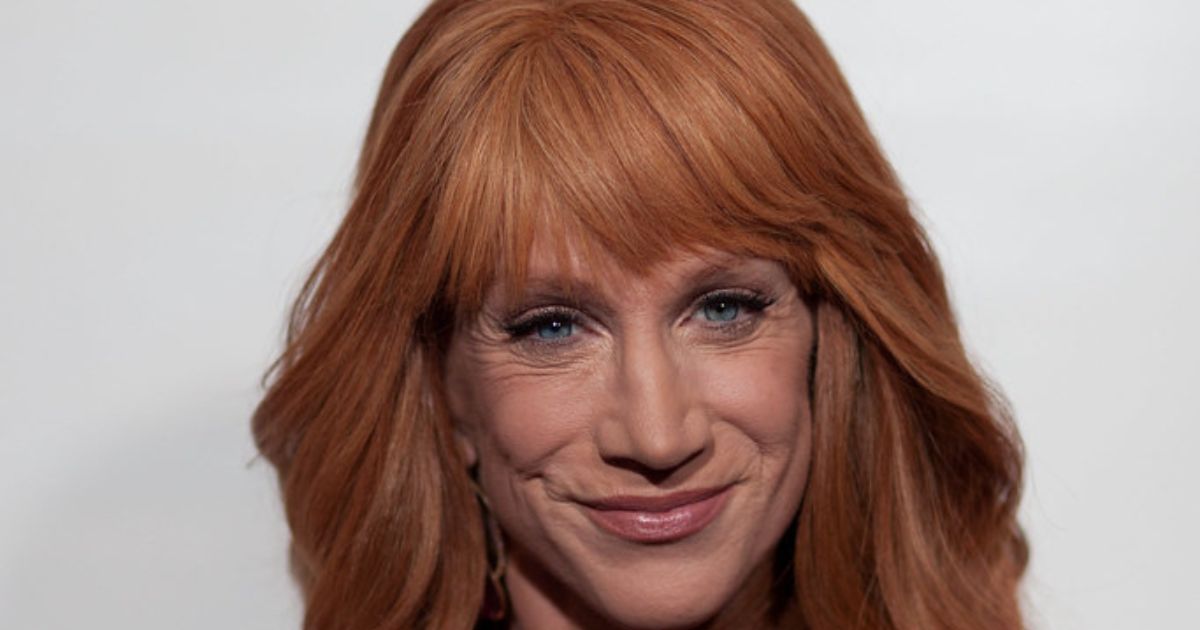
(749, 303)
(525, 326)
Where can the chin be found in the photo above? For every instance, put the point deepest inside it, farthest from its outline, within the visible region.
(651, 614)
(669, 598)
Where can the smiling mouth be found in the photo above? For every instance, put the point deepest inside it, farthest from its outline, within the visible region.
(656, 520)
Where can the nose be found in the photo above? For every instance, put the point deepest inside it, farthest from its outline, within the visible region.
(655, 425)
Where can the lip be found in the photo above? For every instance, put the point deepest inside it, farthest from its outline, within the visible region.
(656, 520)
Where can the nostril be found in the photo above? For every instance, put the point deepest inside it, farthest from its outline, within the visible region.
(653, 474)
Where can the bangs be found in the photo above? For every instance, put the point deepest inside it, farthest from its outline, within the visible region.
(614, 139)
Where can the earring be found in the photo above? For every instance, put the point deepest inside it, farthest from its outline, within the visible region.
(495, 601)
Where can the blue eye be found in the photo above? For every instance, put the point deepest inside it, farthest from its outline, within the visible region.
(728, 309)
(555, 329)
(722, 310)
(549, 325)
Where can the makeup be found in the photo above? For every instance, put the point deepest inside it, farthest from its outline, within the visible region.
(658, 520)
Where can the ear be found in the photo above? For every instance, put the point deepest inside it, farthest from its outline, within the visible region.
(456, 395)
(455, 398)
(466, 447)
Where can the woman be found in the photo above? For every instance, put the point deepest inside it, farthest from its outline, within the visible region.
(629, 325)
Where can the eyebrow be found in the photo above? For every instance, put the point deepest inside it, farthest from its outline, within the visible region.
(584, 292)
(576, 292)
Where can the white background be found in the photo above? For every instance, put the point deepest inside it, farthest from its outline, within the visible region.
(169, 170)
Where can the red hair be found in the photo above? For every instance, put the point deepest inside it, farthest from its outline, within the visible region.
(631, 128)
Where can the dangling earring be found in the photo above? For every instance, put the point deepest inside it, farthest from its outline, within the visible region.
(495, 600)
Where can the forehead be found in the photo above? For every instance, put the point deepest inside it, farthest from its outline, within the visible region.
(570, 265)
(587, 261)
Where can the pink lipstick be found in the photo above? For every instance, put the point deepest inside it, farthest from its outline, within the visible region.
(658, 519)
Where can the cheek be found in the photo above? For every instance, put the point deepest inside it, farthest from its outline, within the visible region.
(526, 418)
(762, 391)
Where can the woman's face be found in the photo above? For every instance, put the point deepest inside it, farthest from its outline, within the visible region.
(643, 440)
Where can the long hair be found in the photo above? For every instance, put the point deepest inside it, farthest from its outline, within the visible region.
(634, 127)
